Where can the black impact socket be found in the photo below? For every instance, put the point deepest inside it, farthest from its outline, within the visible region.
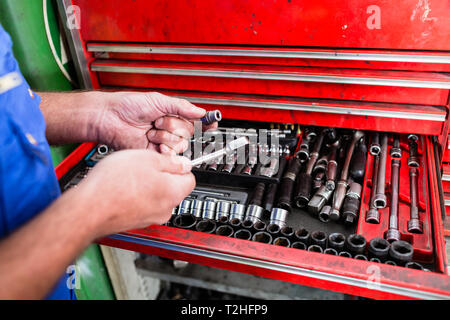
(299, 245)
(225, 230)
(258, 194)
(319, 238)
(235, 223)
(185, 221)
(206, 225)
(401, 252)
(379, 248)
(315, 248)
(282, 241)
(243, 234)
(345, 254)
(269, 198)
(361, 257)
(263, 237)
(336, 241)
(273, 229)
(287, 232)
(331, 251)
(356, 244)
(259, 226)
(302, 235)
(303, 190)
(287, 184)
(376, 260)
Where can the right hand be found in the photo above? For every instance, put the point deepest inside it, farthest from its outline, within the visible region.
(134, 189)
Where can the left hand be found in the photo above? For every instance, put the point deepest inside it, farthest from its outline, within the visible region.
(148, 120)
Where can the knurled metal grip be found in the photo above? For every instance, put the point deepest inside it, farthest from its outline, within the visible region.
(211, 117)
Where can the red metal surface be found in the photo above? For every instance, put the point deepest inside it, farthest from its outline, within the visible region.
(73, 159)
(404, 24)
(339, 266)
(278, 87)
(301, 62)
(324, 119)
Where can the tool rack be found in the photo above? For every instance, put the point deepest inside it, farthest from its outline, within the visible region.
(300, 62)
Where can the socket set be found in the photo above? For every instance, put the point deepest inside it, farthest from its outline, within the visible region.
(340, 192)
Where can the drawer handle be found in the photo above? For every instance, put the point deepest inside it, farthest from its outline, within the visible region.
(274, 76)
(329, 55)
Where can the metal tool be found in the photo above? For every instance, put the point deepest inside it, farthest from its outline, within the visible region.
(255, 210)
(339, 194)
(414, 224)
(185, 207)
(373, 215)
(299, 245)
(396, 151)
(237, 211)
(303, 152)
(304, 184)
(379, 248)
(413, 160)
(401, 252)
(222, 209)
(356, 244)
(243, 234)
(197, 208)
(380, 196)
(206, 225)
(211, 117)
(228, 150)
(323, 195)
(319, 238)
(209, 209)
(359, 159)
(336, 241)
(263, 237)
(225, 230)
(393, 232)
(287, 184)
(350, 208)
(330, 251)
(282, 241)
(375, 147)
(315, 248)
(302, 235)
(278, 217)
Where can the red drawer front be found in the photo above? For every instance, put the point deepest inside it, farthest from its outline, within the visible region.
(405, 24)
(282, 56)
(326, 83)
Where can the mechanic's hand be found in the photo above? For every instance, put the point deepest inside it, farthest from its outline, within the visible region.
(134, 189)
(135, 120)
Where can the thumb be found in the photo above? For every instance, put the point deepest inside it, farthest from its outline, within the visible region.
(178, 107)
(174, 164)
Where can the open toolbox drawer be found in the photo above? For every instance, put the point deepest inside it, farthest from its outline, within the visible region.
(316, 63)
(348, 275)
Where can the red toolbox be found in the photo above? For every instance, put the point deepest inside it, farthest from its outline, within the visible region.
(374, 66)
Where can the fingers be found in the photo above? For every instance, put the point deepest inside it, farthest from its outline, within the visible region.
(175, 106)
(176, 126)
(162, 137)
(173, 164)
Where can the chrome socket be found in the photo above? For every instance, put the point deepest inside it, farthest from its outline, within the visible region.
(209, 209)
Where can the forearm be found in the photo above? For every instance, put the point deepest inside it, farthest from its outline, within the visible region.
(72, 116)
(34, 257)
